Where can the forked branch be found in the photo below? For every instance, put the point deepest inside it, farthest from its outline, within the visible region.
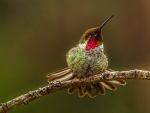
(57, 86)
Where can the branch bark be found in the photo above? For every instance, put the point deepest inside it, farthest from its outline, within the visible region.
(57, 86)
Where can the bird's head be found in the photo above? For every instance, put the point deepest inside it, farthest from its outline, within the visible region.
(93, 37)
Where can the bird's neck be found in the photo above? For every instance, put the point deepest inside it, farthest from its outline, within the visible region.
(84, 46)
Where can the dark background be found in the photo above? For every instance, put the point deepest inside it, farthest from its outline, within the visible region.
(36, 35)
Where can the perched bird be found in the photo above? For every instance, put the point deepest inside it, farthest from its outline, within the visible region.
(86, 59)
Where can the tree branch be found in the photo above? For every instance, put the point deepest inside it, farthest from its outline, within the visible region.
(57, 86)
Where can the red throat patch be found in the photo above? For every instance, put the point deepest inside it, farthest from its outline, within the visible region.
(92, 43)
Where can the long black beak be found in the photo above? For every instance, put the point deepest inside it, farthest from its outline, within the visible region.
(99, 36)
(105, 22)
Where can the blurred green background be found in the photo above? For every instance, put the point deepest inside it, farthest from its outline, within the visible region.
(36, 35)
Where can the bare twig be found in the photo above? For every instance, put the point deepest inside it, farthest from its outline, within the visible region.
(57, 86)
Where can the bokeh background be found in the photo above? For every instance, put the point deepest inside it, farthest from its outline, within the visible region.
(36, 35)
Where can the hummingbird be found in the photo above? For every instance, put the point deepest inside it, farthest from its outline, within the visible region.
(88, 58)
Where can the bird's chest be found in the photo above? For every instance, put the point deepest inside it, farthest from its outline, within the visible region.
(95, 61)
(86, 63)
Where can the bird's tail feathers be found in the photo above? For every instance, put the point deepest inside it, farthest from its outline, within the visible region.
(91, 90)
(61, 75)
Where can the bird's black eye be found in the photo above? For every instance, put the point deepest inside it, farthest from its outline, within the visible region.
(93, 34)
